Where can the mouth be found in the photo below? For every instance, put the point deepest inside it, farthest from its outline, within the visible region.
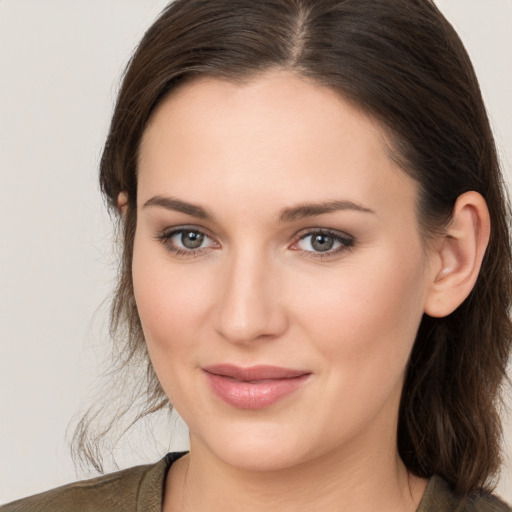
(254, 387)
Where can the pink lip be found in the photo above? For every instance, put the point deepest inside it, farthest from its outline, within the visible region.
(255, 387)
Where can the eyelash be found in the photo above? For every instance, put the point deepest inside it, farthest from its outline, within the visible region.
(346, 242)
(165, 238)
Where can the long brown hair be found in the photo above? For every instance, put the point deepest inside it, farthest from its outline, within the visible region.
(402, 63)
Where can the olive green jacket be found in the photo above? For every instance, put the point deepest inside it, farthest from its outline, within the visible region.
(140, 489)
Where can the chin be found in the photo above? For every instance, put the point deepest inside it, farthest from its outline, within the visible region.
(262, 447)
(257, 458)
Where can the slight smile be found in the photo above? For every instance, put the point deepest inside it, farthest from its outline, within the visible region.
(255, 387)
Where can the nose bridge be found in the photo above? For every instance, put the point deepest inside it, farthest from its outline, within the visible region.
(249, 305)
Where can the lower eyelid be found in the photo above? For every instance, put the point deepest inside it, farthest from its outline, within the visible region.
(339, 251)
(346, 242)
(165, 238)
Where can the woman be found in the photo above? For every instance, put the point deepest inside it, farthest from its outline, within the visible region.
(316, 260)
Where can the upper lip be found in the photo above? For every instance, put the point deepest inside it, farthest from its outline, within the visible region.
(254, 373)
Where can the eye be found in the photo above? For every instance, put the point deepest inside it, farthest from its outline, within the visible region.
(323, 243)
(188, 239)
(186, 242)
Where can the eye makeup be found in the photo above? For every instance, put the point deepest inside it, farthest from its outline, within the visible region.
(193, 242)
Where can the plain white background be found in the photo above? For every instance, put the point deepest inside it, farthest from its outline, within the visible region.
(60, 64)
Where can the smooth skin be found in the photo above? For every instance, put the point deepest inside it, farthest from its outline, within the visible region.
(229, 266)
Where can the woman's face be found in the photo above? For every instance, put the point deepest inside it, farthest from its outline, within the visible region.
(278, 268)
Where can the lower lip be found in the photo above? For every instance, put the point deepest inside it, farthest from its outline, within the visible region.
(255, 394)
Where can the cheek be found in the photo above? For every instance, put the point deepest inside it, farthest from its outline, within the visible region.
(172, 311)
(365, 317)
(171, 305)
(363, 323)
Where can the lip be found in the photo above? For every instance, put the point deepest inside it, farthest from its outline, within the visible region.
(254, 387)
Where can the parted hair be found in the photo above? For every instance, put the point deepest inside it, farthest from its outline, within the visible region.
(402, 63)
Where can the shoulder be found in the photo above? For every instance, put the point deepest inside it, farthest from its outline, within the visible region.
(439, 497)
(120, 491)
(486, 503)
(109, 492)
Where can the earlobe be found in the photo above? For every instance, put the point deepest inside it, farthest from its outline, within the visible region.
(459, 255)
(122, 202)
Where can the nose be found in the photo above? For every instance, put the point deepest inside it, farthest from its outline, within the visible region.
(250, 307)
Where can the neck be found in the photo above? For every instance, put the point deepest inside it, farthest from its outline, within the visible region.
(358, 480)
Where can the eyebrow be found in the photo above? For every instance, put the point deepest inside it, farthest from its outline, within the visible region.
(176, 205)
(286, 215)
(312, 209)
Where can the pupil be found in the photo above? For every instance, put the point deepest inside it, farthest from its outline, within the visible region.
(322, 242)
(191, 239)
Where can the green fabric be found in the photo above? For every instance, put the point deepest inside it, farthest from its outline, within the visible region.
(140, 489)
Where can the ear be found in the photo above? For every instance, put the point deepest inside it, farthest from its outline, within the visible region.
(122, 202)
(458, 255)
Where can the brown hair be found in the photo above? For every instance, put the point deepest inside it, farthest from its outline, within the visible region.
(402, 63)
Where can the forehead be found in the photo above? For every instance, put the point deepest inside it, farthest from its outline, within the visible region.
(278, 135)
(268, 103)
